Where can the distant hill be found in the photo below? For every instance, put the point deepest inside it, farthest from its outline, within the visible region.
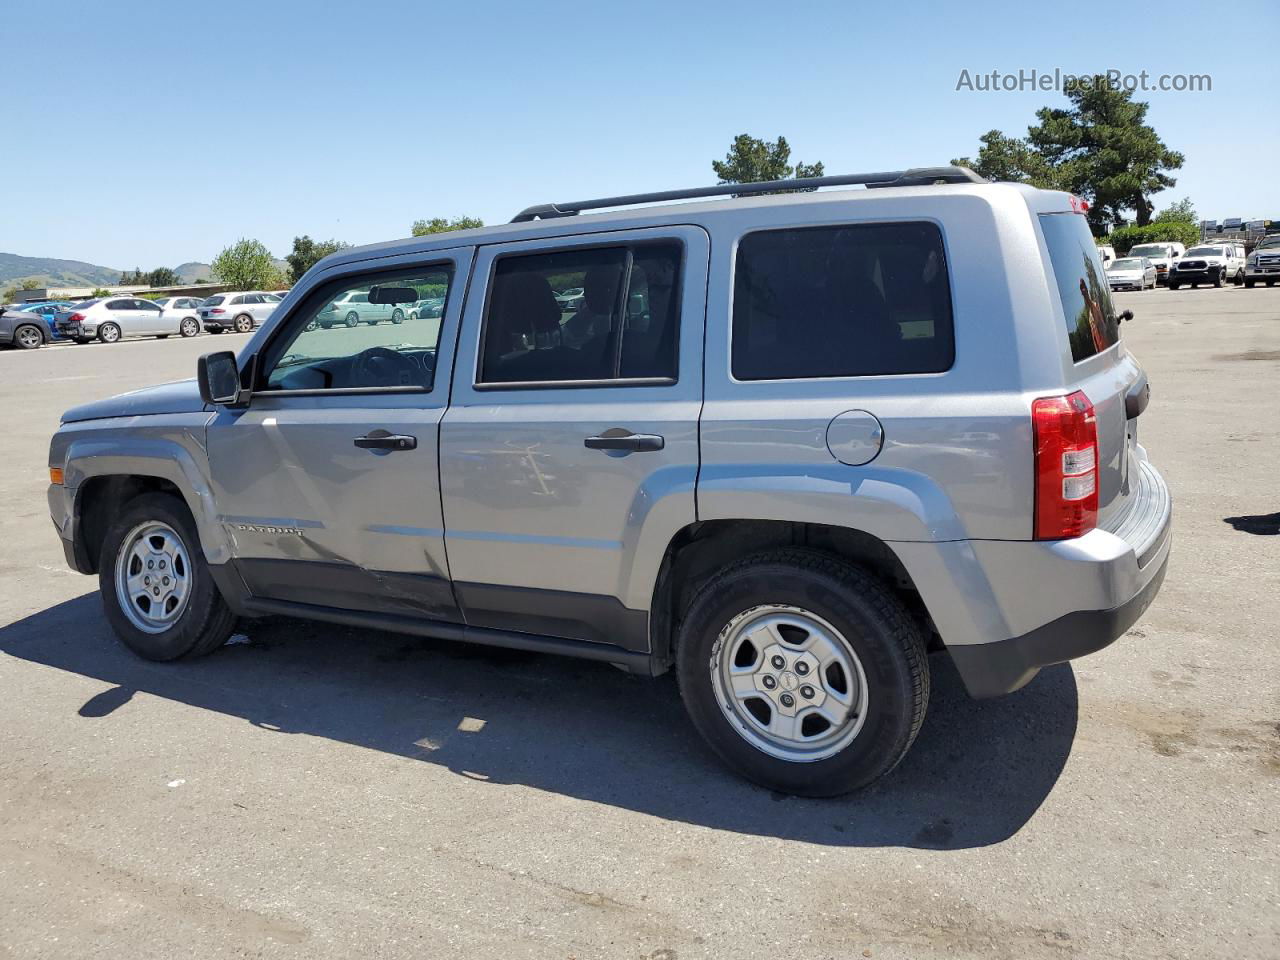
(192, 271)
(55, 273)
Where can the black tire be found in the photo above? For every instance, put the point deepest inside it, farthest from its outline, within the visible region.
(243, 323)
(106, 334)
(214, 329)
(1271, 283)
(1174, 286)
(206, 622)
(82, 340)
(27, 336)
(189, 328)
(887, 640)
(352, 319)
(1248, 284)
(162, 336)
(1219, 278)
(397, 316)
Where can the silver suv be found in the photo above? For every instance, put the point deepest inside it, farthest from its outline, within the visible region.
(787, 445)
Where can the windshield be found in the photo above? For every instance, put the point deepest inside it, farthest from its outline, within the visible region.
(1270, 243)
(1149, 250)
(1126, 264)
(1205, 252)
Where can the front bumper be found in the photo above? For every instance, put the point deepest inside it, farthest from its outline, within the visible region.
(1207, 275)
(1262, 273)
(1006, 608)
(1135, 284)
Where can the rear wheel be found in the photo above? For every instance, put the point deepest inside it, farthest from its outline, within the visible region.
(1174, 286)
(804, 673)
(397, 316)
(1271, 283)
(108, 333)
(156, 588)
(352, 318)
(27, 337)
(189, 327)
(243, 323)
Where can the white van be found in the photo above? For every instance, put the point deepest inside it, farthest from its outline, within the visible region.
(1162, 256)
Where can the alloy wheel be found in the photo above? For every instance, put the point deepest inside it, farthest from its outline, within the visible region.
(153, 576)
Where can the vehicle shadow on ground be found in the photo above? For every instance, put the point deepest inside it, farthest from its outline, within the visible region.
(977, 773)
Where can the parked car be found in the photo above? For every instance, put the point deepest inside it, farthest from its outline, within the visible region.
(240, 312)
(1217, 263)
(1107, 253)
(23, 329)
(430, 307)
(116, 317)
(570, 299)
(822, 451)
(184, 311)
(1131, 273)
(49, 310)
(353, 308)
(1263, 265)
(1162, 256)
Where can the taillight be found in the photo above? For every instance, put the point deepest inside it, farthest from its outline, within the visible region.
(217, 310)
(76, 318)
(1066, 444)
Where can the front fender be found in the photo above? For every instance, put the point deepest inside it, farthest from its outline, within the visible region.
(169, 448)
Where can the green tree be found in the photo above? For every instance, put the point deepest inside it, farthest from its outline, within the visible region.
(1180, 211)
(422, 228)
(1107, 152)
(163, 277)
(752, 160)
(100, 292)
(246, 265)
(128, 279)
(1100, 147)
(1011, 159)
(307, 253)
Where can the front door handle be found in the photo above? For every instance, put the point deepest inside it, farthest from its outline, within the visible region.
(382, 440)
(618, 440)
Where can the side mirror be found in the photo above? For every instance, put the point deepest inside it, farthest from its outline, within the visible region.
(1127, 315)
(219, 378)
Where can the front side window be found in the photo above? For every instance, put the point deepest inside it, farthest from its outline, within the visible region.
(852, 300)
(1086, 297)
(587, 314)
(324, 352)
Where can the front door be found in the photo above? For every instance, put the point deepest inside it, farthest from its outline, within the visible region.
(569, 453)
(327, 484)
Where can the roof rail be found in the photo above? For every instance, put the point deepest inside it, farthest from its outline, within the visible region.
(915, 177)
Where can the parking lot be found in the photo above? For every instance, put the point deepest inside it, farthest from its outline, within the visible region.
(314, 791)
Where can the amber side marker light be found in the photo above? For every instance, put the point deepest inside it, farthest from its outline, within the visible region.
(55, 475)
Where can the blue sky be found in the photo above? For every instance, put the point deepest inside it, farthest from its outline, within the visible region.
(186, 126)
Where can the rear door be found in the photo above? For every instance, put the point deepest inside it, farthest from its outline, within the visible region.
(569, 453)
(1101, 366)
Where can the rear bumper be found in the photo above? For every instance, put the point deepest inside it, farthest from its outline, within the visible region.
(993, 669)
(1005, 608)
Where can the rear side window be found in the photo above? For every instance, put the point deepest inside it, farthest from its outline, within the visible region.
(1082, 287)
(213, 301)
(843, 301)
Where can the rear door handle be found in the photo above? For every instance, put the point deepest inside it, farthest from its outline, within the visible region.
(381, 440)
(640, 442)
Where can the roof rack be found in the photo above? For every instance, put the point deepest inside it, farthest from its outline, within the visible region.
(915, 177)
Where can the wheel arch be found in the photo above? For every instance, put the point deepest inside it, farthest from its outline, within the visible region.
(103, 477)
(697, 551)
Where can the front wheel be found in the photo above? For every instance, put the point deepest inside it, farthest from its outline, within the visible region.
(243, 323)
(397, 316)
(1248, 284)
(189, 327)
(1174, 286)
(156, 588)
(108, 333)
(804, 673)
(1219, 278)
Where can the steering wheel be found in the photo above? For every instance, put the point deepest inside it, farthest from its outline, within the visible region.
(384, 367)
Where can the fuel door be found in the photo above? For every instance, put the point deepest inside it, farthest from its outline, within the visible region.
(855, 437)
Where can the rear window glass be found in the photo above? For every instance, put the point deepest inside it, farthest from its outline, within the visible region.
(213, 301)
(843, 301)
(1085, 295)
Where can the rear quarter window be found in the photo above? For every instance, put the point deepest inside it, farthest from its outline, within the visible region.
(1089, 315)
(213, 301)
(843, 301)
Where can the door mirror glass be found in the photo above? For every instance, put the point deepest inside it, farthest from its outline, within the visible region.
(219, 378)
